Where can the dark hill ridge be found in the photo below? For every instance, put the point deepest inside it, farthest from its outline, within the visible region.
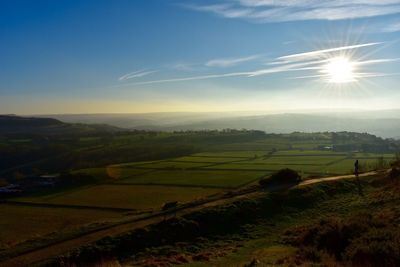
(11, 124)
(7, 121)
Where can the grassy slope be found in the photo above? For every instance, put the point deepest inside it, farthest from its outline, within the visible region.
(265, 238)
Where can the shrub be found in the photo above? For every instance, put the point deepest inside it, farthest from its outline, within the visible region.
(362, 240)
(310, 254)
(302, 197)
(282, 177)
(377, 247)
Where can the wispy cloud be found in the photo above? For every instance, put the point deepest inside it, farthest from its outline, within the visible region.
(230, 62)
(183, 66)
(189, 67)
(135, 74)
(376, 61)
(357, 75)
(296, 10)
(395, 27)
(288, 66)
(193, 78)
(318, 3)
(317, 53)
(308, 61)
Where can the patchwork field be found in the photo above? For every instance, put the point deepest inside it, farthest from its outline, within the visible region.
(227, 169)
(300, 153)
(123, 196)
(347, 165)
(147, 185)
(298, 160)
(234, 154)
(206, 159)
(205, 178)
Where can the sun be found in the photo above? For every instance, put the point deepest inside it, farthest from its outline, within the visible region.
(339, 70)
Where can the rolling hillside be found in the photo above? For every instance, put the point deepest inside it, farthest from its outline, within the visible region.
(10, 124)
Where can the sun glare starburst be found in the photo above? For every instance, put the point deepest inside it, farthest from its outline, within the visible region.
(339, 70)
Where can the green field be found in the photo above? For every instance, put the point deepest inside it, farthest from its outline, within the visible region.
(206, 178)
(371, 155)
(19, 223)
(132, 164)
(148, 184)
(265, 167)
(205, 159)
(255, 146)
(228, 169)
(308, 153)
(234, 154)
(298, 160)
(112, 172)
(124, 196)
(174, 165)
(347, 166)
(167, 164)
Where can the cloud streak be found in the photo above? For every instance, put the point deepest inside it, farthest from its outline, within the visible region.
(308, 61)
(220, 63)
(357, 75)
(395, 27)
(267, 11)
(193, 78)
(230, 62)
(318, 53)
(135, 74)
(376, 61)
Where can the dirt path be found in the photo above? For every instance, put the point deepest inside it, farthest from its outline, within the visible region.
(64, 246)
(333, 178)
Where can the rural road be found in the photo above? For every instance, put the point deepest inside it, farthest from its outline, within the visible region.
(333, 178)
(61, 247)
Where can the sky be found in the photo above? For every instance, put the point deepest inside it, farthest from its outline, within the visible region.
(136, 56)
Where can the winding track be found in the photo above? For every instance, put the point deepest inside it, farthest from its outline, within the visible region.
(63, 246)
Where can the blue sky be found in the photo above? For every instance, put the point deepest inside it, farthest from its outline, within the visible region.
(216, 55)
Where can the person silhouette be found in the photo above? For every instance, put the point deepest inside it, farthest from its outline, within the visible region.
(356, 168)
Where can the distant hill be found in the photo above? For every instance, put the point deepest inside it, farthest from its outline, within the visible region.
(287, 123)
(384, 123)
(11, 124)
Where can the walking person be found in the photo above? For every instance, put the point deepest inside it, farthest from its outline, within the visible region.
(356, 168)
(356, 172)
